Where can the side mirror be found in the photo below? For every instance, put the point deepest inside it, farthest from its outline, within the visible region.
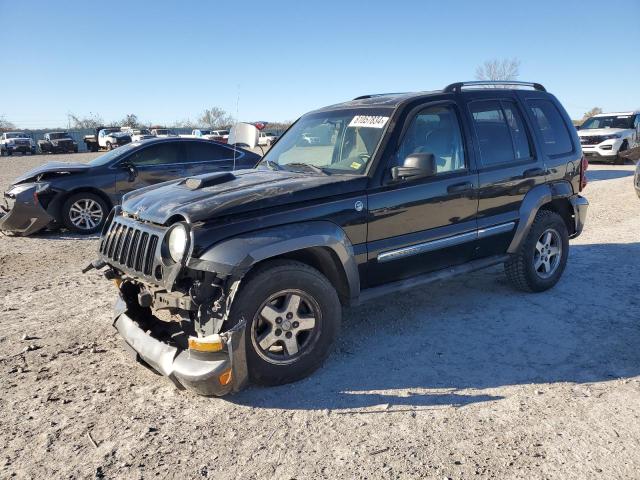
(131, 168)
(577, 127)
(416, 165)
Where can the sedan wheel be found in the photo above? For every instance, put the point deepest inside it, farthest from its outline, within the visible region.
(84, 213)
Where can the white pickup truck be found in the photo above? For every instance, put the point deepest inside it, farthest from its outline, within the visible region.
(11, 142)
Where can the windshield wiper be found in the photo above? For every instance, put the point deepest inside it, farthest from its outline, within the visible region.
(271, 165)
(309, 166)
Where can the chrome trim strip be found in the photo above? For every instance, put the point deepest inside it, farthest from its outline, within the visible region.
(496, 230)
(445, 242)
(427, 246)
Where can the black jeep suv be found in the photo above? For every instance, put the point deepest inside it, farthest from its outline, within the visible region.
(231, 276)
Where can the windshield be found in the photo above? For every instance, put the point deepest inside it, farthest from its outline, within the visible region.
(113, 155)
(57, 136)
(613, 121)
(205, 132)
(341, 141)
(17, 135)
(141, 132)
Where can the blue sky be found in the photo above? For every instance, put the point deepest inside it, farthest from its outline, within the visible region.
(167, 61)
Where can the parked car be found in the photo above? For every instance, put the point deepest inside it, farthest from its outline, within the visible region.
(80, 195)
(57, 142)
(605, 136)
(163, 132)
(12, 142)
(106, 138)
(266, 138)
(220, 135)
(139, 134)
(252, 267)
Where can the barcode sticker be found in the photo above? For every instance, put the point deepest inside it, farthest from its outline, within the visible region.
(368, 121)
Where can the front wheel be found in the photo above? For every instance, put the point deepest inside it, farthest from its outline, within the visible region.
(620, 160)
(84, 213)
(293, 316)
(109, 146)
(539, 262)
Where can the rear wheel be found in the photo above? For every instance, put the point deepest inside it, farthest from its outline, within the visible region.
(84, 213)
(540, 261)
(293, 315)
(109, 146)
(619, 159)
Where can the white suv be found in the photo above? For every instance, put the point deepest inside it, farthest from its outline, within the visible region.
(605, 135)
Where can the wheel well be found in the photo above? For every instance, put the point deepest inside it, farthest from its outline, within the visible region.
(325, 261)
(562, 207)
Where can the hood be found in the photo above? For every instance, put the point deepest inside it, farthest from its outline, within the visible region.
(593, 132)
(52, 168)
(232, 193)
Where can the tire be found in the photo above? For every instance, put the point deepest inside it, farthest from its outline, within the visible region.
(521, 267)
(109, 146)
(86, 203)
(621, 160)
(9, 152)
(271, 289)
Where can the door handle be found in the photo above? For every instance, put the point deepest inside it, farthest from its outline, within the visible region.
(460, 187)
(534, 172)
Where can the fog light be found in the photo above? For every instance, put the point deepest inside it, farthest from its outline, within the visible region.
(225, 378)
(212, 343)
(606, 147)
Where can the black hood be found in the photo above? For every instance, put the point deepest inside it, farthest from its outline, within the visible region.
(52, 168)
(233, 193)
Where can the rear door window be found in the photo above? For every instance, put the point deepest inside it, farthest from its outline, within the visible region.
(500, 131)
(549, 123)
(207, 152)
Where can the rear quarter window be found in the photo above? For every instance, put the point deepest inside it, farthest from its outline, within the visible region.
(552, 130)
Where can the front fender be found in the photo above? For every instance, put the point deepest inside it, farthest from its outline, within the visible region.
(235, 256)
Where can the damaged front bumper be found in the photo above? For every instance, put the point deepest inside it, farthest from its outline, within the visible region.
(21, 211)
(205, 373)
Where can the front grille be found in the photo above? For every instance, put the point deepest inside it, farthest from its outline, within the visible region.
(22, 143)
(131, 246)
(594, 140)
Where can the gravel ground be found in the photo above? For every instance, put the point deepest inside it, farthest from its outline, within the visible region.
(463, 379)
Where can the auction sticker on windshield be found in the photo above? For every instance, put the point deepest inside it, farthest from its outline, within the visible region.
(370, 121)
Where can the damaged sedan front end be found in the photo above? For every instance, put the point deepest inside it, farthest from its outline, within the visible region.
(23, 211)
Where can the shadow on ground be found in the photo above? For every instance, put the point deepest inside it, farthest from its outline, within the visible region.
(434, 346)
(597, 175)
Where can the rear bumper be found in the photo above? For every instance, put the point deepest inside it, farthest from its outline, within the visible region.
(198, 372)
(580, 207)
(26, 216)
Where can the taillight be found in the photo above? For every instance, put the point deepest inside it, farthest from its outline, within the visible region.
(584, 165)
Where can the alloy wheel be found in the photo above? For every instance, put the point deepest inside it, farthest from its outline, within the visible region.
(285, 326)
(548, 254)
(86, 214)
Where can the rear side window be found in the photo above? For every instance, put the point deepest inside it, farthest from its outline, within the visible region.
(207, 152)
(553, 131)
(500, 132)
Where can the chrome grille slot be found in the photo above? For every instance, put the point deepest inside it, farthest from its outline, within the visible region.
(131, 246)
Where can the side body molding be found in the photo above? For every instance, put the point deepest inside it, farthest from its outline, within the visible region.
(235, 256)
(531, 203)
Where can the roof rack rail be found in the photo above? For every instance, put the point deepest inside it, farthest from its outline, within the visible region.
(373, 95)
(457, 87)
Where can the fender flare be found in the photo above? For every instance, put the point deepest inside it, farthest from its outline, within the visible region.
(533, 200)
(235, 256)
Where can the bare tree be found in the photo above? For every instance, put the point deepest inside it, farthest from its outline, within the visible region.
(6, 124)
(184, 123)
(215, 118)
(496, 69)
(591, 113)
(90, 121)
(130, 120)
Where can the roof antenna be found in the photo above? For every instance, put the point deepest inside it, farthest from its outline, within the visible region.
(235, 136)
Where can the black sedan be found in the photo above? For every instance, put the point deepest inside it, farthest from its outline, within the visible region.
(80, 195)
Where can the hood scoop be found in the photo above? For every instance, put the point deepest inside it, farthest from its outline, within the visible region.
(208, 180)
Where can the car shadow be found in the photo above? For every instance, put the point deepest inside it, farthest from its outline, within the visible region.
(450, 343)
(597, 175)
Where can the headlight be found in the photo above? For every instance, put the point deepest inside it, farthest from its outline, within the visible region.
(178, 240)
(609, 137)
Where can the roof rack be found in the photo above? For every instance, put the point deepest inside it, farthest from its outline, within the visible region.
(373, 95)
(457, 87)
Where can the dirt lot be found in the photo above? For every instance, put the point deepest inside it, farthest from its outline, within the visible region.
(463, 379)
